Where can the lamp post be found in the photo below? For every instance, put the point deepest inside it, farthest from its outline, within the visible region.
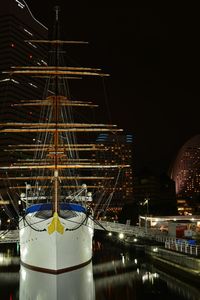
(146, 202)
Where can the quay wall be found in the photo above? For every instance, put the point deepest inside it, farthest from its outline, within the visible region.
(174, 257)
(180, 265)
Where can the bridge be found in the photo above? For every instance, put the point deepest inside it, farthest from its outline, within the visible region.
(120, 228)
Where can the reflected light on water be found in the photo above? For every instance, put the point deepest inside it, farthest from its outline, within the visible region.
(122, 275)
(148, 276)
(6, 259)
(78, 284)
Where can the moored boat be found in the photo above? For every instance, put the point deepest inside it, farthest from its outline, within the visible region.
(56, 221)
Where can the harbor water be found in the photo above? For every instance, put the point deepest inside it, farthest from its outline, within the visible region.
(115, 273)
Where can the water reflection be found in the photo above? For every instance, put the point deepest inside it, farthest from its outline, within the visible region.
(9, 255)
(132, 277)
(9, 272)
(9, 285)
(6, 260)
(179, 287)
(115, 274)
(77, 285)
(143, 283)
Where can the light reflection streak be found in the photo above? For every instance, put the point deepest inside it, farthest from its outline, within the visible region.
(78, 284)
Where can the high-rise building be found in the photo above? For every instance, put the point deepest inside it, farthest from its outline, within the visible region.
(186, 174)
(18, 27)
(117, 149)
(154, 195)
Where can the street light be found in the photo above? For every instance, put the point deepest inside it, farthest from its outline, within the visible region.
(146, 202)
(121, 236)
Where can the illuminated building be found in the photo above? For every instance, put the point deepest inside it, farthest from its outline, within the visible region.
(117, 150)
(17, 27)
(186, 174)
(154, 195)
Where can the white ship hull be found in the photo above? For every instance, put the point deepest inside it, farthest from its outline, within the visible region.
(58, 251)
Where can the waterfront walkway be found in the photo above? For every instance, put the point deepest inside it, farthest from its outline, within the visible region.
(131, 234)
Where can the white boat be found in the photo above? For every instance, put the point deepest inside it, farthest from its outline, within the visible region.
(56, 224)
(54, 242)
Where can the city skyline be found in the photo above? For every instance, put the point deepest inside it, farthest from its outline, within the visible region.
(151, 55)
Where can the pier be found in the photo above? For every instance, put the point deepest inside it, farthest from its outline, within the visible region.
(9, 236)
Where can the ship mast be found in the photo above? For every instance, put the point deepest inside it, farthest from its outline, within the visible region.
(54, 160)
(55, 113)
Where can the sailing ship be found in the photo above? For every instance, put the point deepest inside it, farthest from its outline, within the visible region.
(56, 225)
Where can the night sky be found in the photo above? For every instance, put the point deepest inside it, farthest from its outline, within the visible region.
(152, 55)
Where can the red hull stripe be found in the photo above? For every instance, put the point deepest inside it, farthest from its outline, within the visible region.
(60, 271)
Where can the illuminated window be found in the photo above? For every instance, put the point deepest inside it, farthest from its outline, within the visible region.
(44, 62)
(21, 5)
(9, 79)
(28, 32)
(33, 85)
(34, 46)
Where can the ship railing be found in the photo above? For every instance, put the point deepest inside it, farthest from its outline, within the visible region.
(124, 228)
(183, 246)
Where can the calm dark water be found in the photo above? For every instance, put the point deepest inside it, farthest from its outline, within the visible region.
(116, 273)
